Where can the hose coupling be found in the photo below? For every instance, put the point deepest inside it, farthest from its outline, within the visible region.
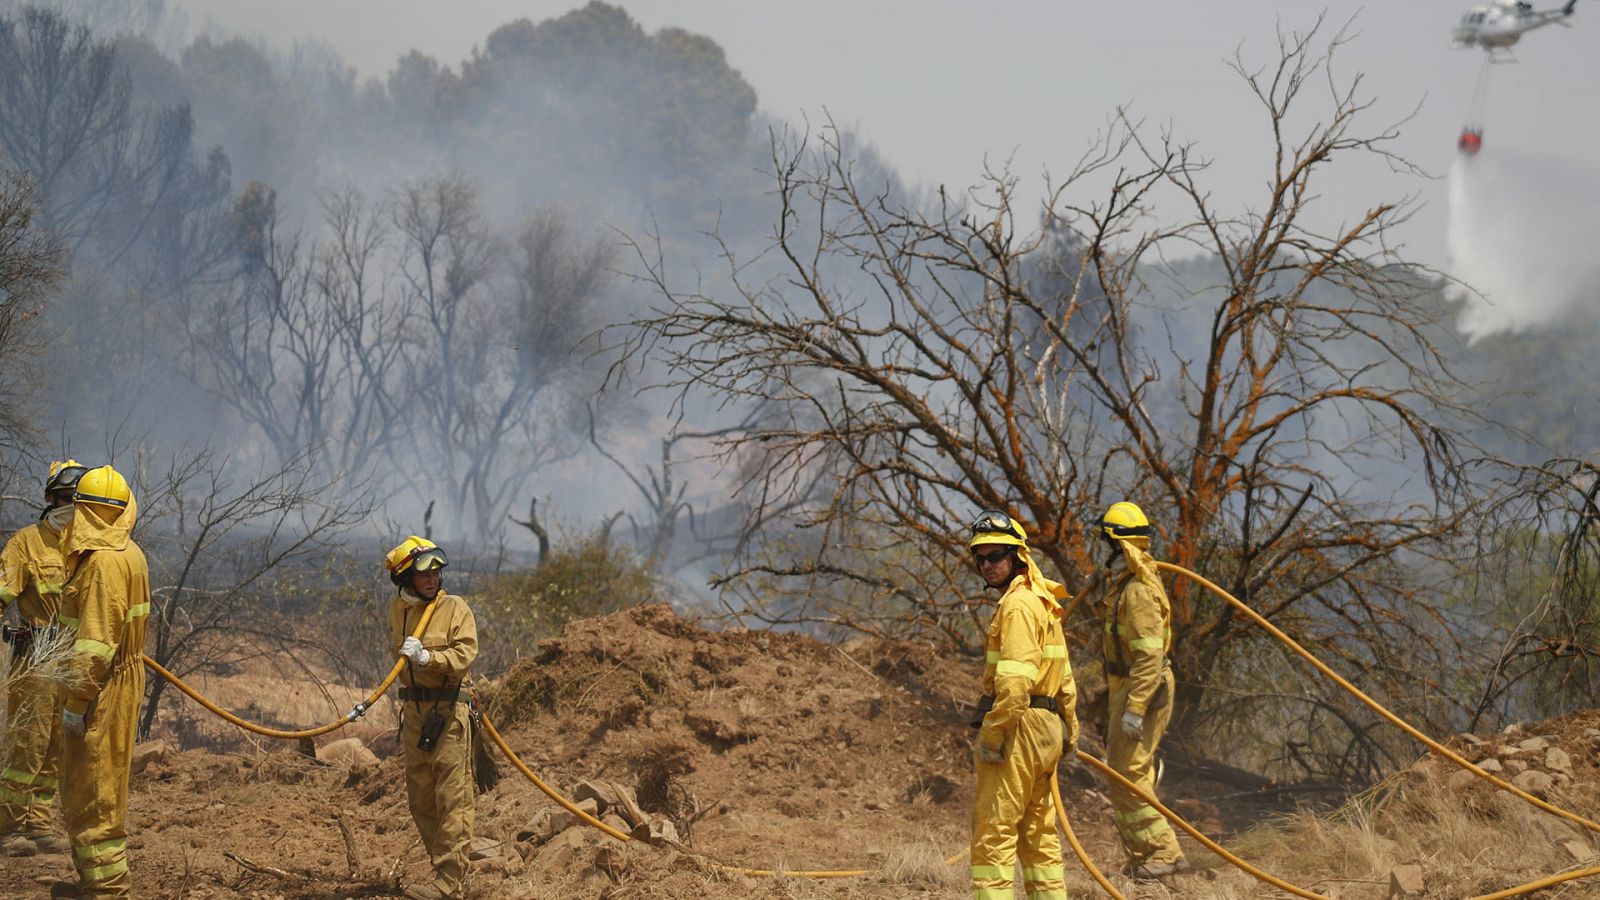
(357, 711)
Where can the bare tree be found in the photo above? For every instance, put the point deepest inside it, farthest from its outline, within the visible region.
(1251, 399)
(300, 344)
(220, 544)
(105, 170)
(31, 264)
(1536, 574)
(493, 379)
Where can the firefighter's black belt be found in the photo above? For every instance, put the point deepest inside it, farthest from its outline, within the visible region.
(431, 695)
(1035, 701)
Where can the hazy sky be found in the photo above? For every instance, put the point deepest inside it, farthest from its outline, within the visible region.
(937, 85)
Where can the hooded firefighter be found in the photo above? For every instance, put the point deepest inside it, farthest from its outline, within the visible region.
(435, 721)
(1138, 638)
(107, 603)
(1028, 717)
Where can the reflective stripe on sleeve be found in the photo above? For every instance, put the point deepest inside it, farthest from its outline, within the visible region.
(992, 656)
(68, 621)
(98, 648)
(1147, 643)
(1012, 667)
(1055, 651)
(138, 610)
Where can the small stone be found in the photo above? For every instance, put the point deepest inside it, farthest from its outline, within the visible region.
(1512, 730)
(1473, 740)
(1405, 881)
(1557, 760)
(150, 753)
(1491, 765)
(483, 848)
(600, 794)
(349, 753)
(613, 859)
(1578, 850)
(1536, 783)
(1460, 780)
(1537, 743)
(1516, 766)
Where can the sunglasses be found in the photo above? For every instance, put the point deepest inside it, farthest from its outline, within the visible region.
(992, 557)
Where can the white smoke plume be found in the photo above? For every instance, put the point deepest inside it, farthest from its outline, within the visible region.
(1520, 236)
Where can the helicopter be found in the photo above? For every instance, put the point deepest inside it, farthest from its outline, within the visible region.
(1497, 26)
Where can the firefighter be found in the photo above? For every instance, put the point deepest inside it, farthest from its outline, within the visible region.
(107, 603)
(436, 726)
(1029, 718)
(32, 575)
(1138, 639)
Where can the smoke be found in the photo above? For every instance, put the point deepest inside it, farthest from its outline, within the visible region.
(1519, 239)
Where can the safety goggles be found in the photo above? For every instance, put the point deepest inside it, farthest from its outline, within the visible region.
(424, 559)
(65, 480)
(993, 521)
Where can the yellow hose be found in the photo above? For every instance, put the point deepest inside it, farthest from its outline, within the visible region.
(1195, 833)
(1077, 848)
(354, 714)
(1377, 707)
(1542, 883)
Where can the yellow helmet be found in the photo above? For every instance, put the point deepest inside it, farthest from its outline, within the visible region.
(1124, 520)
(104, 486)
(415, 554)
(995, 527)
(64, 475)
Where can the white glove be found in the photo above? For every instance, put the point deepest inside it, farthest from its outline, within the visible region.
(73, 723)
(411, 649)
(1133, 725)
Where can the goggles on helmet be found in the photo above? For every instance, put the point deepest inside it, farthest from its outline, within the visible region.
(424, 559)
(992, 521)
(64, 478)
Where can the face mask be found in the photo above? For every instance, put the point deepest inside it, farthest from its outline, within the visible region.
(58, 517)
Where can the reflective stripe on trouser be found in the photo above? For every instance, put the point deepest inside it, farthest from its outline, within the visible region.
(1145, 833)
(94, 785)
(442, 793)
(28, 770)
(1014, 817)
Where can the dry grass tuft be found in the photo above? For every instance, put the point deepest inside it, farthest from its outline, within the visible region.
(921, 864)
(1468, 842)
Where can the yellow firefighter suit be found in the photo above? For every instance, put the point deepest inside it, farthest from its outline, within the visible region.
(1138, 637)
(107, 600)
(31, 575)
(1026, 658)
(439, 782)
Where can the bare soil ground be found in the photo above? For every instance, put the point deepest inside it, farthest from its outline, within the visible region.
(771, 751)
